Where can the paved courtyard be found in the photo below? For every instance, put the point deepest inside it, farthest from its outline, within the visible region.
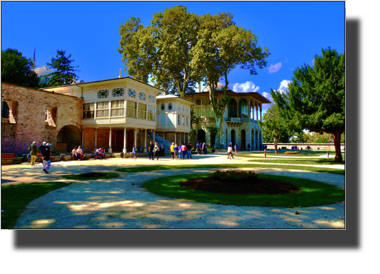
(123, 203)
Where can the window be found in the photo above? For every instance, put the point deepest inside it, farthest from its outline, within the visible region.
(187, 121)
(102, 109)
(117, 108)
(9, 112)
(118, 92)
(183, 120)
(103, 93)
(199, 108)
(179, 119)
(142, 96)
(131, 109)
(170, 106)
(162, 106)
(51, 116)
(132, 93)
(151, 99)
(151, 113)
(142, 111)
(88, 110)
(4, 111)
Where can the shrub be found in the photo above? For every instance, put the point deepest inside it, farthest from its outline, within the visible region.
(232, 175)
(290, 152)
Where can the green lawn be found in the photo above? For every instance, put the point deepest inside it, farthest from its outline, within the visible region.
(14, 199)
(312, 193)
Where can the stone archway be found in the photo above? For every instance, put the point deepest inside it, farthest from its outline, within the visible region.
(243, 139)
(67, 138)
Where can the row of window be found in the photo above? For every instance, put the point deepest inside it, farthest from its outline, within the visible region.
(119, 92)
(116, 109)
(170, 107)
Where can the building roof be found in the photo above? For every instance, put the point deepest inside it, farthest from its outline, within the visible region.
(255, 95)
(93, 82)
(173, 97)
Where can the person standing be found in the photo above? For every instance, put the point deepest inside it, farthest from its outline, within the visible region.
(249, 147)
(189, 147)
(134, 152)
(229, 153)
(236, 148)
(41, 148)
(172, 151)
(46, 158)
(33, 153)
(156, 150)
(175, 151)
(197, 147)
(184, 151)
(150, 151)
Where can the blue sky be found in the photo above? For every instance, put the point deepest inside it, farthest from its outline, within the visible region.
(293, 32)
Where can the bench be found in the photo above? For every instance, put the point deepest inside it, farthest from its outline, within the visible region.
(7, 158)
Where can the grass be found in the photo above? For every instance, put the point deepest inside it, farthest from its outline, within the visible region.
(14, 199)
(91, 176)
(301, 161)
(313, 193)
(157, 167)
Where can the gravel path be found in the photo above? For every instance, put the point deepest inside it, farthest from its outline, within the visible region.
(122, 203)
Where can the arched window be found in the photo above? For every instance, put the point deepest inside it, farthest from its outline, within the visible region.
(199, 108)
(4, 110)
(243, 109)
(162, 106)
(232, 109)
(170, 106)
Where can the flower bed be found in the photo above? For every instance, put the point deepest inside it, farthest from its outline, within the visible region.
(235, 176)
(290, 152)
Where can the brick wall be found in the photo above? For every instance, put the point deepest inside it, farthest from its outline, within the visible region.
(28, 117)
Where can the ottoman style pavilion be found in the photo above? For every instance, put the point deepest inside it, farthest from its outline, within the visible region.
(117, 114)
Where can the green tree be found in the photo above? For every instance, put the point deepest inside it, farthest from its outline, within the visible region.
(161, 52)
(316, 98)
(64, 71)
(17, 70)
(221, 47)
(275, 127)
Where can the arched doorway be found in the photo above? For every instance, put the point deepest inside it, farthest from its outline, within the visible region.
(201, 136)
(233, 137)
(67, 138)
(243, 138)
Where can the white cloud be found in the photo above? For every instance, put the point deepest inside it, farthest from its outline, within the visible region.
(274, 68)
(248, 86)
(284, 86)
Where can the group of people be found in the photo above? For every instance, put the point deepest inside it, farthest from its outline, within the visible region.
(182, 151)
(153, 151)
(77, 153)
(45, 155)
(201, 148)
(100, 153)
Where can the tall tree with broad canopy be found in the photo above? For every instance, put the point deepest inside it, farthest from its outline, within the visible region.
(223, 46)
(161, 52)
(275, 127)
(64, 72)
(316, 98)
(17, 69)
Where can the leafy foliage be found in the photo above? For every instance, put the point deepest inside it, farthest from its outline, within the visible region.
(316, 98)
(17, 69)
(64, 71)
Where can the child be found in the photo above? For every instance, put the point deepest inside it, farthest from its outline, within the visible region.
(134, 152)
(236, 148)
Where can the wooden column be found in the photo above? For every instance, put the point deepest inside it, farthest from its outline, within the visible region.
(125, 141)
(110, 142)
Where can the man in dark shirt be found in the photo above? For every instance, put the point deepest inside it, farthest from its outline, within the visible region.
(46, 158)
(150, 151)
(189, 147)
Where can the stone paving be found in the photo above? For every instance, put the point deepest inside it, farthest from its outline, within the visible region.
(122, 203)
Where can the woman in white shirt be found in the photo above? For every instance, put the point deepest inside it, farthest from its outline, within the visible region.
(229, 152)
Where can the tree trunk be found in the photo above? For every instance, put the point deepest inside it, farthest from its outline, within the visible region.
(275, 145)
(338, 154)
(218, 125)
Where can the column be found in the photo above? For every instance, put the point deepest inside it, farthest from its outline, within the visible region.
(146, 141)
(261, 114)
(135, 141)
(257, 112)
(258, 139)
(96, 139)
(154, 137)
(82, 138)
(175, 137)
(125, 141)
(248, 139)
(110, 142)
(254, 140)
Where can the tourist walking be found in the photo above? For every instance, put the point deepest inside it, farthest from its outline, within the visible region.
(41, 148)
(134, 152)
(197, 147)
(156, 150)
(184, 151)
(46, 158)
(150, 151)
(236, 148)
(175, 151)
(189, 147)
(229, 153)
(33, 153)
(172, 150)
(204, 148)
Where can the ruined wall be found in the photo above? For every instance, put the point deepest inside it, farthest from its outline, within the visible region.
(29, 120)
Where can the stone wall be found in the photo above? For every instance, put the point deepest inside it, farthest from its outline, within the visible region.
(28, 113)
